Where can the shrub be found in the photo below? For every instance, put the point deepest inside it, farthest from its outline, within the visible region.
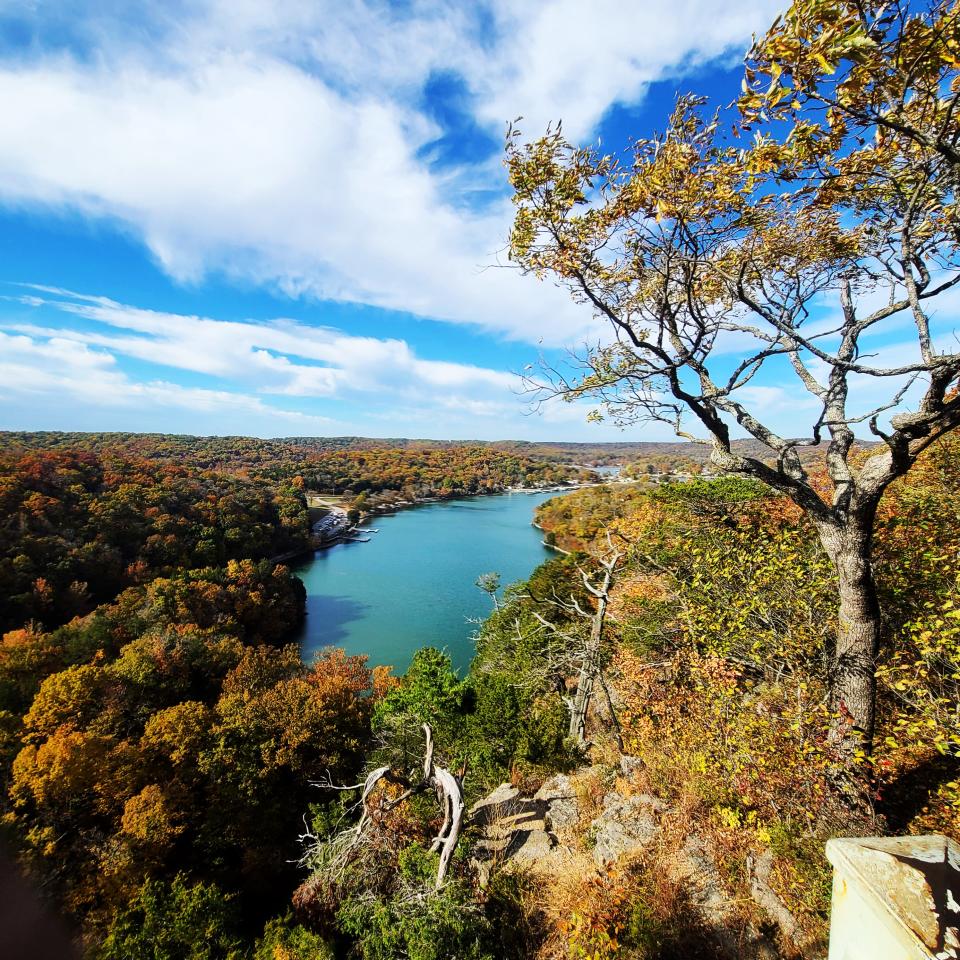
(174, 921)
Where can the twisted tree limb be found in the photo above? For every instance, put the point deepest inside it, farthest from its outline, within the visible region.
(448, 788)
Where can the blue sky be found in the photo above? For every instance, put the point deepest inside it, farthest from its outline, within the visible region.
(287, 218)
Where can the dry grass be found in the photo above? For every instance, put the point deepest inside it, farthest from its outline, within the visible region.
(638, 910)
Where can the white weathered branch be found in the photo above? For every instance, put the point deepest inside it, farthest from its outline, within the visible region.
(449, 791)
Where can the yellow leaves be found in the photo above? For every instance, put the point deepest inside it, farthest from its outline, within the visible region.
(71, 767)
(149, 818)
(729, 818)
(179, 732)
(893, 69)
(826, 65)
(383, 681)
(71, 698)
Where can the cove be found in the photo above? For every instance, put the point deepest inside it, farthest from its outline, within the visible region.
(413, 584)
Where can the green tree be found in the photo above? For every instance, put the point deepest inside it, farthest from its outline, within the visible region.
(444, 924)
(283, 939)
(429, 692)
(174, 921)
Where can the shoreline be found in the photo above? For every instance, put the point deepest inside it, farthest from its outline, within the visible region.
(550, 546)
(398, 506)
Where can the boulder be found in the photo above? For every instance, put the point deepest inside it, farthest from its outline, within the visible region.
(626, 826)
(503, 802)
(530, 846)
(562, 804)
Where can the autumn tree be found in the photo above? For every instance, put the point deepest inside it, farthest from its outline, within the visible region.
(714, 257)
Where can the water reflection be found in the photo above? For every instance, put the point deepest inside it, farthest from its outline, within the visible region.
(328, 617)
(413, 584)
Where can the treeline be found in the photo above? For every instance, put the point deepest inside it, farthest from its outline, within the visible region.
(251, 452)
(424, 472)
(334, 465)
(77, 527)
(220, 453)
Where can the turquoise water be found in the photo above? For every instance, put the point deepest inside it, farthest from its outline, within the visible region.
(413, 584)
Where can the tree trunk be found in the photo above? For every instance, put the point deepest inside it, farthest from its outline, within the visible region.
(853, 683)
(449, 791)
(580, 706)
(592, 661)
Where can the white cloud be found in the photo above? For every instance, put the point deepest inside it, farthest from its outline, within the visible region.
(566, 61)
(70, 376)
(275, 357)
(282, 142)
(62, 370)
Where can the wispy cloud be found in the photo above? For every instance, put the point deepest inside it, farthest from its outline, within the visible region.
(279, 357)
(87, 357)
(60, 370)
(284, 143)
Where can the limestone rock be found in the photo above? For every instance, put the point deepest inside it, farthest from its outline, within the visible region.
(530, 846)
(512, 827)
(495, 806)
(626, 826)
(562, 805)
(696, 867)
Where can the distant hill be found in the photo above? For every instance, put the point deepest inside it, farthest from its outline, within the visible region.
(252, 451)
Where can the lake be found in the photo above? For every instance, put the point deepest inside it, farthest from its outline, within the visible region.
(413, 584)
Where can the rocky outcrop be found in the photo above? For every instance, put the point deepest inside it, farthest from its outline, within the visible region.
(524, 829)
(546, 832)
(512, 828)
(503, 802)
(696, 868)
(562, 808)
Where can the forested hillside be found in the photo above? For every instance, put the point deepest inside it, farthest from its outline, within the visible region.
(158, 751)
(335, 464)
(254, 453)
(78, 527)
